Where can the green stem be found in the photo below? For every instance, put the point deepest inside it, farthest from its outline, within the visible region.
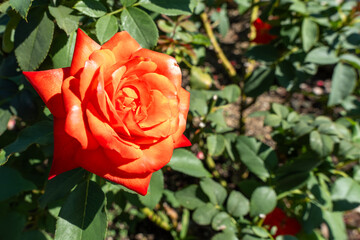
(211, 165)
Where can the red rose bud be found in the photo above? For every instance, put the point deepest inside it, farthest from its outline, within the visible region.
(119, 110)
(285, 225)
(262, 32)
(320, 83)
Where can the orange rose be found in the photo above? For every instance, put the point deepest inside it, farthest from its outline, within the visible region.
(119, 110)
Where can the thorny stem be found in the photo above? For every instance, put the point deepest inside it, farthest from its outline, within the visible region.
(156, 219)
(211, 165)
(250, 68)
(219, 52)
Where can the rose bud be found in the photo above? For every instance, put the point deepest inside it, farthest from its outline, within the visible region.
(119, 110)
(262, 30)
(285, 225)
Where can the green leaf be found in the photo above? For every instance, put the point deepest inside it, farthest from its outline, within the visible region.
(170, 198)
(128, 3)
(33, 40)
(64, 19)
(21, 6)
(231, 93)
(204, 214)
(200, 79)
(322, 55)
(251, 152)
(215, 192)
(335, 222)
(237, 204)
(263, 201)
(3, 158)
(33, 234)
(41, 133)
(312, 217)
(351, 59)
(215, 144)
(223, 221)
(260, 81)
(184, 161)
(61, 185)
(280, 110)
(228, 235)
(263, 52)
(345, 194)
(272, 120)
(155, 190)
(106, 27)
(12, 183)
(11, 225)
(309, 34)
(83, 214)
(343, 83)
(62, 50)
(91, 8)
(5, 116)
(218, 122)
(321, 144)
(8, 36)
(298, 6)
(191, 197)
(140, 26)
(198, 104)
(292, 181)
(167, 7)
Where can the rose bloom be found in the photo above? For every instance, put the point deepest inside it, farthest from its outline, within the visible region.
(262, 32)
(285, 225)
(119, 110)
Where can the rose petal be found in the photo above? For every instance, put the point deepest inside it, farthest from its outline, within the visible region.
(106, 108)
(65, 148)
(183, 141)
(108, 138)
(166, 65)
(158, 112)
(161, 83)
(122, 45)
(75, 125)
(84, 47)
(184, 97)
(48, 85)
(88, 82)
(95, 161)
(139, 66)
(155, 156)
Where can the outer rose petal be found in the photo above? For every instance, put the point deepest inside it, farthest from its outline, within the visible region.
(65, 148)
(48, 85)
(183, 141)
(122, 45)
(95, 161)
(84, 47)
(75, 125)
(166, 65)
(184, 104)
(154, 158)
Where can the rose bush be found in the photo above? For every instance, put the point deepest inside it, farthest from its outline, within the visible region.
(119, 110)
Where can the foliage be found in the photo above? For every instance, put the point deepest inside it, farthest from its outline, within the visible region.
(227, 182)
